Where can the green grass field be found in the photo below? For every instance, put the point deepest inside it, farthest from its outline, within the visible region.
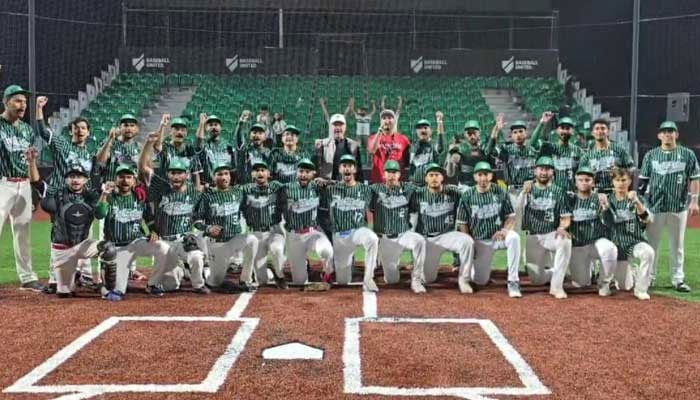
(40, 253)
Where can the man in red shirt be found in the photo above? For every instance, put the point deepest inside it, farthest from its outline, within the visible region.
(387, 144)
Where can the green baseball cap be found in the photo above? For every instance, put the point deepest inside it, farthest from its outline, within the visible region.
(292, 129)
(668, 125)
(258, 127)
(76, 168)
(434, 167)
(306, 163)
(482, 166)
(585, 170)
(221, 165)
(392, 165)
(472, 124)
(128, 118)
(566, 121)
(125, 168)
(260, 163)
(179, 164)
(518, 124)
(15, 89)
(422, 122)
(178, 122)
(348, 159)
(545, 161)
(213, 118)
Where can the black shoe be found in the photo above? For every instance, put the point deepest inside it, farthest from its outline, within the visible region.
(279, 280)
(61, 295)
(202, 290)
(155, 290)
(247, 287)
(50, 289)
(682, 287)
(32, 286)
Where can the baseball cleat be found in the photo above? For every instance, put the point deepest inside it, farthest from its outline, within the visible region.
(155, 290)
(464, 286)
(201, 290)
(604, 289)
(558, 293)
(514, 290)
(279, 280)
(682, 287)
(62, 295)
(417, 286)
(113, 296)
(641, 295)
(32, 286)
(369, 286)
(49, 289)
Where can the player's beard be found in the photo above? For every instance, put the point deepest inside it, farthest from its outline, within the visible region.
(214, 133)
(543, 180)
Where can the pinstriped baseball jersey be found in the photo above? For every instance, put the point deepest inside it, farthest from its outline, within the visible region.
(566, 160)
(519, 162)
(162, 159)
(603, 161)
(65, 154)
(284, 165)
(391, 208)
(213, 152)
(545, 207)
(624, 226)
(124, 216)
(246, 158)
(436, 211)
(174, 211)
(14, 142)
(586, 220)
(470, 156)
(348, 205)
(300, 205)
(122, 153)
(222, 208)
(484, 213)
(422, 154)
(261, 205)
(669, 174)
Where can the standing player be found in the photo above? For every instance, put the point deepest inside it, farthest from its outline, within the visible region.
(249, 154)
(123, 213)
(349, 202)
(390, 205)
(604, 156)
(264, 218)
(436, 207)
(667, 172)
(285, 158)
(219, 217)
(15, 191)
(565, 153)
(587, 235)
(625, 217)
(486, 213)
(299, 202)
(212, 148)
(546, 218)
(171, 225)
(121, 147)
(465, 155)
(424, 151)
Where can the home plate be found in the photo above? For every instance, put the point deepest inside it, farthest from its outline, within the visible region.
(293, 351)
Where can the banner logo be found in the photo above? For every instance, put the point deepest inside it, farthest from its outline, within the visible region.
(139, 62)
(417, 65)
(232, 63)
(519, 65)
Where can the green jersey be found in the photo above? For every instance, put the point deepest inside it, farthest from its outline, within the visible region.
(65, 154)
(348, 205)
(422, 154)
(545, 207)
(566, 157)
(484, 213)
(299, 205)
(624, 226)
(669, 174)
(161, 162)
(519, 162)
(221, 208)
(586, 219)
(261, 205)
(174, 211)
(284, 165)
(391, 208)
(213, 152)
(14, 142)
(122, 153)
(436, 211)
(603, 161)
(471, 155)
(123, 215)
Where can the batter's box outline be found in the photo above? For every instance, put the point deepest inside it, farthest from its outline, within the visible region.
(352, 371)
(215, 378)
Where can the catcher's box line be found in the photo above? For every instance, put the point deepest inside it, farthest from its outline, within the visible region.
(215, 378)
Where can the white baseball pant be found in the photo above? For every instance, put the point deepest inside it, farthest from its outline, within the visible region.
(167, 273)
(581, 257)
(642, 259)
(390, 250)
(237, 257)
(676, 223)
(483, 255)
(456, 242)
(220, 254)
(518, 202)
(65, 262)
(126, 255)
(539, 249)
(16, 204)
(299, 245)
(269, 243)
(344, 248)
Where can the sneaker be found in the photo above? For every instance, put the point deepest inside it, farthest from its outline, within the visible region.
(202, 290)
(641, 295)
(33, 286)
(682, 287)
(464, 286)
(51, 288)
(558, 293)
(155, 290)
(514, 290)
(604, 289)
(113, 296)
(417, 286)
(369, 286)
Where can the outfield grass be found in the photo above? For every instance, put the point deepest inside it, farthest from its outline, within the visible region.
(40, 253)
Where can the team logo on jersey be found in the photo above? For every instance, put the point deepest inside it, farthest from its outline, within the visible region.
(224, 209)
(564, 163)
(486, 211)
(394, 201)
(304, 205)
(436, 209)
(127, 215)
(260, 201)
(421, 159)
(624, 214)
(585, 214)
(218, 156)
(14, 143)
(522, 162)
(285, 169)
(542, 203)
(175, 208)
(347, 203)
(668, 167)
(603, 163)
(74, 158)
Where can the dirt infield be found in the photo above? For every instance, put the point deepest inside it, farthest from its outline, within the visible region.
(584, 347)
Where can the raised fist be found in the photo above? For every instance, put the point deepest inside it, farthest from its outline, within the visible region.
(439, 116)
(32, 154)
(203, 118)
(41, 101)
(546, 117)
(165, 120)
(527, 187)
(108, 187)
(500, 121)
(632, 196)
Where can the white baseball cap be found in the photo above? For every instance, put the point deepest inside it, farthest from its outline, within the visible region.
(338, 118)
(387, 112)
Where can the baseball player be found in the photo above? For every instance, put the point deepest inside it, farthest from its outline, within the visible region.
(299, 202)
(390, 205)
(219, 217)
(486, 213)
(604, 156)
(565, 153)
(348, 203)
(546, 218)
(171, 225)
(15, 191)
(248, 154)
(285, 159)
(213, 148)
(625, 216)
(465, 155)
(424, 151)
(667, 173)
(264, 218)
(436, 207)
(124, 213)
(587, 234)
(72, 211)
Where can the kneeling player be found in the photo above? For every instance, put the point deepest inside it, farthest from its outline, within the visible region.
(625, 216)
(436, 206)
(587, 235)
(486, 212)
